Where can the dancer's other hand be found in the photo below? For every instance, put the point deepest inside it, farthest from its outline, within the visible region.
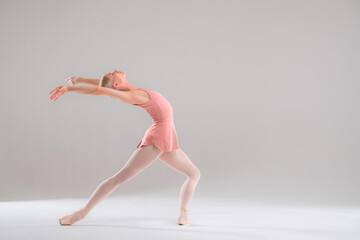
(58, 92)
(72, 80)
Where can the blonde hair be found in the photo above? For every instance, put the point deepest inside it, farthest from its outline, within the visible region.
(106, 82)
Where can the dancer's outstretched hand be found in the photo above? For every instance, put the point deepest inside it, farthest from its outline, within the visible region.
(72, 80)
(58, 92)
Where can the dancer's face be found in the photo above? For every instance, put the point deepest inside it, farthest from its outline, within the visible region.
(118, 77)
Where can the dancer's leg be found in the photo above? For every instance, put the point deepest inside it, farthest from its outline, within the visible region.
(139, 160)
(179, 161)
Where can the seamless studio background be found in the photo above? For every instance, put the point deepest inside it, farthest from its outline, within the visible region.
(265, 97)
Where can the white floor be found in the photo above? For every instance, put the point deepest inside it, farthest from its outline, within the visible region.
(143, 217)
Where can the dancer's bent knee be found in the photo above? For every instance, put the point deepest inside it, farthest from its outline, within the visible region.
(195, 175)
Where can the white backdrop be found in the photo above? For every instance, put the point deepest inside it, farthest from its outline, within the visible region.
(265, 96)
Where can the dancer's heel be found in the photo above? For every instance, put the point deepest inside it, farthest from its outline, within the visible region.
(183, 218)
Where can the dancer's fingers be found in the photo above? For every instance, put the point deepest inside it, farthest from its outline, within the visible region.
(54, 95)
(69, 81)
(53, 90)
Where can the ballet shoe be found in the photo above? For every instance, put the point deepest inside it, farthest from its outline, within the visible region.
(74, 217)
(183, 218)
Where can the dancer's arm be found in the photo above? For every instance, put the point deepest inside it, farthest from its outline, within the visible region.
(89, 90)
(129, 97)
(124, 96)
(76, 80)
(89, 81)
(61, 90)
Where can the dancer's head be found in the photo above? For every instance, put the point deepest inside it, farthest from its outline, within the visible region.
(115, 80)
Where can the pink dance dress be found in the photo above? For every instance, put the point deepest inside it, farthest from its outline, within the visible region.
(162, 132)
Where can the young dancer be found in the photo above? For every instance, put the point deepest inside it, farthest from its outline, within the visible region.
(159, 141)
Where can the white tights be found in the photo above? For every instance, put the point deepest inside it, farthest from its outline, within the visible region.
(142, 158)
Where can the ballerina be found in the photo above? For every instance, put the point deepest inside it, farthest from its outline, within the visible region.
(159, 141)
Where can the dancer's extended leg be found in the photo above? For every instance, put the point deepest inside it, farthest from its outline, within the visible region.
(179, 161)
(139, 160)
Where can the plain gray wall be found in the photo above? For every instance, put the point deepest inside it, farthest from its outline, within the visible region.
(265, 97)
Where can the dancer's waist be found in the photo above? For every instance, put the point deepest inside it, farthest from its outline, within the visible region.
(163, 121)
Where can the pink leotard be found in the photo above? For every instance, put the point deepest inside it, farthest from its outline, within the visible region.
(162, 132)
